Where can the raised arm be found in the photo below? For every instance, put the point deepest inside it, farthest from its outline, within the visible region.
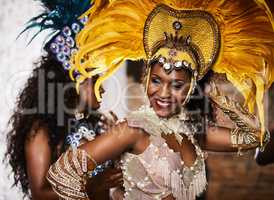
(243, 134)
(68, 176)
(242, 131)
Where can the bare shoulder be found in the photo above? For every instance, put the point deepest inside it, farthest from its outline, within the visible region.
(38, 136)
(123, 131)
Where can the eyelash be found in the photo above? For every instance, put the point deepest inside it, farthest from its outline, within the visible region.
(155, 80)
(177, 86)
(173, 85)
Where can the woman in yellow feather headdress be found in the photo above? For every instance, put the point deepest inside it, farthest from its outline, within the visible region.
(181, 41)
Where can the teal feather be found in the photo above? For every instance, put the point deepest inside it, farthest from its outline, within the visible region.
(56, 15)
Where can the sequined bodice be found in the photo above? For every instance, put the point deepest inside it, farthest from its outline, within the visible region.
(160, 172)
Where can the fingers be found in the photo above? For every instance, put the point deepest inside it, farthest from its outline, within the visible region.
(103, 118)
(116, 183)
(103, 124)
(113, 179)
(114, 116)
(116, 177)
(113, 174)
(113, 171)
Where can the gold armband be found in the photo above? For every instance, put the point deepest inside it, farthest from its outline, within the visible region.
(244, 137)
(69, 173)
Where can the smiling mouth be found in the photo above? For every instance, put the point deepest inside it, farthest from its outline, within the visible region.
(163, 104)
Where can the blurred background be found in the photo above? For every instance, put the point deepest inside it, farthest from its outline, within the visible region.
(230, 176)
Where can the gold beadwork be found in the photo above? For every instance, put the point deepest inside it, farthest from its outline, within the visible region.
(68, 175)
(199, 27)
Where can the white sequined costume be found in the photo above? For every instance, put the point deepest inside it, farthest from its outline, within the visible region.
(159, 171)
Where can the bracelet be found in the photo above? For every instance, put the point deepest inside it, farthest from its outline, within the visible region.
(241, 136)
(68, 175)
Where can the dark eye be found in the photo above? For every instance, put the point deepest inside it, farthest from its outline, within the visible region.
(177, 85)
(155, 80)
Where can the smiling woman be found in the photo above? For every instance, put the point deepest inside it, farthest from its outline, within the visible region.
(167, 92)
(180, 41)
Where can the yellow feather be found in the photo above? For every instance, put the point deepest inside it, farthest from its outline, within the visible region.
(265, 7)
(114, 33)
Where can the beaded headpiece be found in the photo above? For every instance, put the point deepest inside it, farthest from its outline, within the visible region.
(186, 38)
(179, 39)
(64, 19)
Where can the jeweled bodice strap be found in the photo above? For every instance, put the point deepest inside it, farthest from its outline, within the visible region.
(145, 118)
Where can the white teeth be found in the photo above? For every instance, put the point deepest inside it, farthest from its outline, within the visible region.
(163, 104)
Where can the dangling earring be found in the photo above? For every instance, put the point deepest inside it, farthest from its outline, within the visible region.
(145, 81)
(78, 115)
(146, 78)
(191, 90)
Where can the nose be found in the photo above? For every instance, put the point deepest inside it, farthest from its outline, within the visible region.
(165, 92)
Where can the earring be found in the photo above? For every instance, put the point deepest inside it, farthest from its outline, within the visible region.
(78, 116)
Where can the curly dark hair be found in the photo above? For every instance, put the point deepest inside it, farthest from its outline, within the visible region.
(42, 92)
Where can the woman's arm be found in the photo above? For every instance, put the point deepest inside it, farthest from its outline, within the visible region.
(113, 143)
(38, 160)
(68, 176)
(219, 139)
(244, 130)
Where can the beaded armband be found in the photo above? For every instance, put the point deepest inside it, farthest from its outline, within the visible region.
(87, 131)
(244, 135)
(68, 175)
(247, 132)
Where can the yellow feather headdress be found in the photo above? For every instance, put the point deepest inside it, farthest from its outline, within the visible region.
(115, 33)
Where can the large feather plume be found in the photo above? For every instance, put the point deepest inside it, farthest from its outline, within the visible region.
(115, 33)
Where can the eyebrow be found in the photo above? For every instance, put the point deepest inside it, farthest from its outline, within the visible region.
(156, 76)
(178, 80)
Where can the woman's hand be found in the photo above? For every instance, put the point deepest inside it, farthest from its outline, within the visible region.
(107, 121)
(98, 187)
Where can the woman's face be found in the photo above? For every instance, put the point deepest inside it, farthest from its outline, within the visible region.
(87, 94)
(167, 92)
